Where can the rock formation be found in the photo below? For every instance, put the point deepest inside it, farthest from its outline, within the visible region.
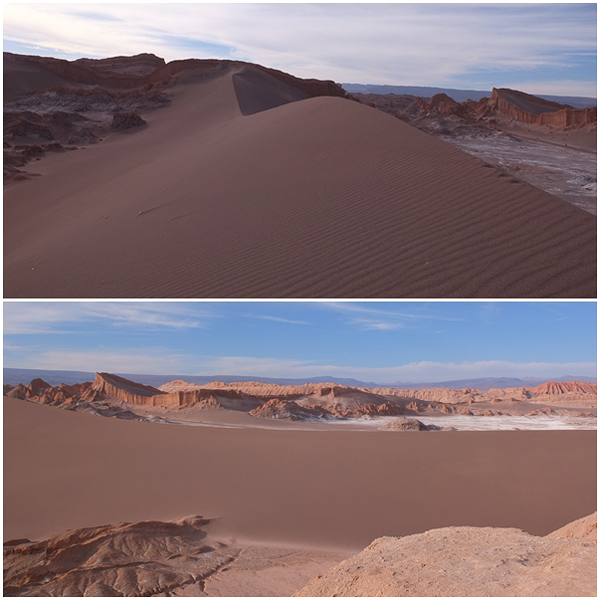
(531, 109)
(442, 115)
(279, 408)
(404, 424)
(153, 558)
(468, 561)
(122, 121)
(565, 387)
(309, 401)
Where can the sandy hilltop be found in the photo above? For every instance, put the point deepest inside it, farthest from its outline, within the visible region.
(208, 178)
(95, 506)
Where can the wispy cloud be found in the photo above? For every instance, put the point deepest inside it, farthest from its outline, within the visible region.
(54, 317)
(278, 319)
(160, 360)
(384, 319)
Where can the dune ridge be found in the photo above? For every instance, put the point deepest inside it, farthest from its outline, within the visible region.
(317, 197)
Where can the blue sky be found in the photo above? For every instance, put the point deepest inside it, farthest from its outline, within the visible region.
(537, 48)
(385, 342)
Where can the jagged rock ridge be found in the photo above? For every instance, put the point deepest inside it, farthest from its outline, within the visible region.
(110, 394)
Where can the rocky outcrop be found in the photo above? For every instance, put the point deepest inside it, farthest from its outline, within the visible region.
(531, 109)
(113, 560)
(586, 527)
(408, 425)
(123, 121)
(444, 105)
(278, 408)
(465, 561)
(124, 389)
(443, 115)
(308, 401)
(445, 395)
(155, 558)
(565, 387)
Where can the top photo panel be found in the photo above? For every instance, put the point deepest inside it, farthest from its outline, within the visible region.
(300, 150)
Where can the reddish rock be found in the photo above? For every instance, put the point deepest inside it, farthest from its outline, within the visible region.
(19, 392)
(564, 387)
(404, 424)
(37, 386)
(279, 408)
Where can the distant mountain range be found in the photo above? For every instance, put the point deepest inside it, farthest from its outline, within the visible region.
(14, 376)
(457, 95)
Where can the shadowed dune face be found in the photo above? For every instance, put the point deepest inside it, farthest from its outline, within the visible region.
(342, 489)
(256, 91)
(320, 197)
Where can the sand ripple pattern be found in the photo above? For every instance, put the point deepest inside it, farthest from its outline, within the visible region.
(321, 197)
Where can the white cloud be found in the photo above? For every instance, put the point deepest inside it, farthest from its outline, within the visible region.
(411, 44)
(384, 319)
(278, 319)
(157, 360)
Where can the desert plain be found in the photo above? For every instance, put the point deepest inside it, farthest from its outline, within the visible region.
(115, 487)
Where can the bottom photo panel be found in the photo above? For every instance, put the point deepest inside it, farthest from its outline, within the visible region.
(300, 448)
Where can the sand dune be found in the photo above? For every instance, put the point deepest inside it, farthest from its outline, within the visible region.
(328, 489)
(318, 197)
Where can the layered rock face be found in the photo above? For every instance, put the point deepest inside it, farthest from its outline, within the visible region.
(309, 401)
(564, 387)
(504, 103)
(468, 561)
(531, 109)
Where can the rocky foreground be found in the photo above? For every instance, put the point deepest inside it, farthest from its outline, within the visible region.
(178, 558)
(469, 561)
(154, 558)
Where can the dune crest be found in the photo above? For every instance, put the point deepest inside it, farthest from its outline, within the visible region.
(253, 183)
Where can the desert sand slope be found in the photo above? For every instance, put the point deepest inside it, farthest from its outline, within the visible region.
(65, 470)
(465, 561)
(321, 197)
(153, 558)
